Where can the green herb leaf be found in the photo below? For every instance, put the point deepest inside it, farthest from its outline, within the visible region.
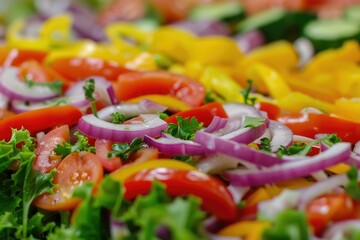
(124, 150)
(184, 129)
(289, 224)
(163, 115)
(82, 144)
(118, 118)
(163, 61)
(253, 122)
(89, 89)
(352, 188)
(186, 159)
(209, 97)
(246, 94)
(265, 144)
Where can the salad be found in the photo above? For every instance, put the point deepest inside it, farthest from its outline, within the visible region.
(180, 131)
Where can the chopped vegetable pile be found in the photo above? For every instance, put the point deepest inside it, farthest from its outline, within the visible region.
(219, 121)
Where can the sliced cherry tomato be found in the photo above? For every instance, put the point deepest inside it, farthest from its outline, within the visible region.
(45, 157)
(131, 85)
(253, 7)
(329, 208)
(40, 120)
(103, 147)
(204, 113)
(79, 68)
(122, 10)
(272, 110)
(15, 57)
(309, 124)
(215, 196)
(76, 169)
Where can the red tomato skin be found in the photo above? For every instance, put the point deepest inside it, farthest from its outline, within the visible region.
(329, 208)
(310, 124)
(131, 85)
(15, 57)
(74, 170)
(79, 68)
(45, 157)
(103, 147)
(204, 113)
(215, 196)
(272, 110)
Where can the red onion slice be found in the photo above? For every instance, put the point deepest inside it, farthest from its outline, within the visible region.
(149, 106)
(356, 149)
(240, 151)
(341, 229)
(15, 89)
(104, 90)
(238, 110)
(203, 27)
(320, 188)
(281, 135)
(76, 101)
(95, 127)
(4, 101)
(174, 146)
(131, 109)
(249, 40)
(216, 124)
(338, 153)
(217, 163)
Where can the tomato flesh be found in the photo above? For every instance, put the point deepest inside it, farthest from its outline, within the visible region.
(45, 157)
(74, 170)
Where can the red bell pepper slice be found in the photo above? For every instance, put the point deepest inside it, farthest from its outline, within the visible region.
(39, 120)
(204, 113)
(214, 195)
(131, 85)
(79, 68)
(309, 124)
(15, 57)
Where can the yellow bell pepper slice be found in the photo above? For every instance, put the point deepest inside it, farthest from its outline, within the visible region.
(126, 171)
(248, 230)
(117, 31)
(173, 104)
(279, 55)
(268, 80)
(259, 195)
(15, 39)
(340, 168)
(57, 30)
(216, 81)
(215, 50)
(143, 62)
(175, 43)
(296, 101)
(328, 60)
(348, 108)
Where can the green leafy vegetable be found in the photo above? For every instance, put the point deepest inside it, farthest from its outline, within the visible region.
(89, 89)
(246, 94)
(184, 129)
(19, 189)
(288, 225)
(182, 217)
(253, 122)
(186, 159)
(163, 115)
(118, 118)
(265, 144)
(55, 86)
(209, 97)
(352, 188)
(301, 149)
(82, 144)
(124, 150)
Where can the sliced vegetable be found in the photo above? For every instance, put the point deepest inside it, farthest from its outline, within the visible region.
(183, 182)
